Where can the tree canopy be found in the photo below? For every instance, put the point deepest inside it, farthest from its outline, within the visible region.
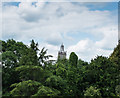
(27, 71)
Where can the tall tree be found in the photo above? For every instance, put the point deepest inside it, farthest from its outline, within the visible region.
(30, 55)
(11, 54)
(102, 73)
(34, 45)
(43, 57)
(115, 56)
(73, 59)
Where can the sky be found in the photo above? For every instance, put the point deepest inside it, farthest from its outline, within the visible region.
(88, 29)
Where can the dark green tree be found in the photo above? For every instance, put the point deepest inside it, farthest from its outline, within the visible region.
(29, 58)
(56, 82)
(29, 72)
(117, 90)
(43, 57)
(11, 54)
(102, 74)
(34, 45)
(73, 59)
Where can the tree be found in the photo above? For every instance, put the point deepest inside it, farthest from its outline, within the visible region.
(2, 46)
(55, 82)
(115, 56)
(9, 62)
(117, 89)
(29, 72)
(81, 63)
(92, 91)
(11, 53)
(61, 71)
(43, 57)
(9, 59)
(34, 46)
(30, 55)
(46, 91)
(29, 58)
(72, 77)
(102, 73)
(25, 88)
(73, 59)
(16, 47)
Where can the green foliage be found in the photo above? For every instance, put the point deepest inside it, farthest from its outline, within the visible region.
(2, 46)
(92, 91)
(61, 71)
(41, 77)
(115, 56)
(46, 91)
(55, 82)
(6, 93)
(25, 88)
(43, 57)
(34, 46)
(0, 92)
(30, 72)
(102, 73)
(117, 89)
(73, 79)
(81, 63)
(17, 48)
(9, 62)
(29, 58)
(9, 59)
(73, 59)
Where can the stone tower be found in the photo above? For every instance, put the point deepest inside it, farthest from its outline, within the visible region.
(62, 53)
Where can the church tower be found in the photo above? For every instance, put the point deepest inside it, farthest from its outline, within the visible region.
(62, 53)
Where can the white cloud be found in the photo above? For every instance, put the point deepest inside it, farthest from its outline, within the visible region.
(87, 50)
(29, 18)
(84, 49)
(51, 22)
(110, 38)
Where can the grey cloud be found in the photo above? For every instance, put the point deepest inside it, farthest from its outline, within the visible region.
(31, 18)
(54, 39)
(54, 42)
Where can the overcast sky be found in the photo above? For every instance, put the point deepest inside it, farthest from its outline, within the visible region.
(88, 29)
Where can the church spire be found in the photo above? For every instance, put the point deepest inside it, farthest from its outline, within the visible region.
(62, 53)
(62, 47)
